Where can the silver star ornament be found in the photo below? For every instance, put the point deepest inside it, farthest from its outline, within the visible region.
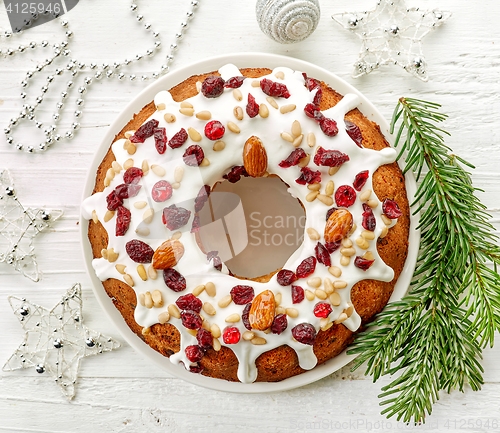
(56, 340)
(392, 33)
(18, 227)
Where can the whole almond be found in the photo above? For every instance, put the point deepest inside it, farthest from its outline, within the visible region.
(254, 157)
(261, 313)
(168, 254)
(338, 225)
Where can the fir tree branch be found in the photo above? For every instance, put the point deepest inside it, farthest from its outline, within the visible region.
(432, 339)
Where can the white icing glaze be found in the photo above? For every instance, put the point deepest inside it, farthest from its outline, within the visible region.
(194, 266)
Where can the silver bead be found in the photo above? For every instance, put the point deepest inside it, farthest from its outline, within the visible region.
(75, 126)
(116, 65)
(184, 25)
(98, 75)
(48, 61)
(138, 56)
(22, 114)
(127, 62)
(21, 48)
(39, 124)
(82, 90)
(93, 66)
(69, 84)
(194, 3)
(64, 44)
(24, 83)
(40, 368)
(39, 68)
(66, 53)
(147, 26)
(417, 62)
(178, 36)
(69, 135)
(393, 30)
(80, 102)
(78, 113)
(121, 76)
(19, 146)
(8, 34)
(132, 77)
(64, 23)
(64, 95)
(31, 116)
(164, 68)
(39, 99)
(57, 137)
(29, 74)
(156, 34)
(23, 95)
(50, 78)
(81, 66)
(87, 81)
(140, 18)
(74, 72)
(169, 58)
(42, 147)
(70, 66)
(9, 139)
(189, 15)
(45, 89)
(109, 74)
(56, 45)
(10, 51)
(59, 71)
(69, 34)
(155, 75)
(144, 78)
(173, 47)
(133, 7)
(105, 66)
(60, 105)
(7, 130)
(13, 121)
(30, 149)
(150, 52)
(157, 45)
(90, 342)
(57, 53)
(49, 141)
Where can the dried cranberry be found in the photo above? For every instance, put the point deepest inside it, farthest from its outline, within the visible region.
(231, 335)
(191, 319)
(318, 96)
(196, 368)
(362, 263)
(297, 294)
(174, 280)
(212, 86)
(123, 218)
(189, 302)
(175, 217)
(214, 130)
(124, 190)
(193, 156)
(234, 82)
(205, 339)
(304, 333)
(139, 251)
(391, 209)
(271, 88)
(286, 277)
(322, 309)
(311, 83)
(293, 159)
(201, 198)
(113, 202)
(313, 112)
(307, 267)
(360, 180)
(329, 212)
(217, 262)
(178, 139)
(332, 246)
(162, 191)
(345, 196)
(194, 353)
(308, 176)
(133, 175)
(329, 127)
(330, 158)
(354, 132)
(160, 135)
(252, 106)
(235, 174)
(145, 131)
(280, 323)
(369, 221)
(322, 254)
(244, 316)
(242, 295)
(195, 227)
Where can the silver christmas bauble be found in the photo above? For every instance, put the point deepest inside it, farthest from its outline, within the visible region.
(288, 21)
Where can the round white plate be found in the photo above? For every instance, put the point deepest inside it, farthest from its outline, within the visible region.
(241, 60)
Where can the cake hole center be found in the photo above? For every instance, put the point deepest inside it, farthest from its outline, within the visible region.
(270, 232)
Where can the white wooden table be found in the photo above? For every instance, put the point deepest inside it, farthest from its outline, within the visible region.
(120, 391)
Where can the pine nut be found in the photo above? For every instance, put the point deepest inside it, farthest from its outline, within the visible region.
(187, 111)
(233, 127)
(178, 173)
(163, 317)
(280, 310)
(385, 230)
(255, 83)
(237, 94)
(329, 188)
(148, 300)
(368, 255)
(272, 102)
(346, 243)
(287, 137)
(387, 221)
(157, 298)
(314, 186)
(321, 294)
(342, 317)
(263, 111)
(174, 311)
(219, 145)
(161, 106)
(145, 167)
(215, 330)
(140, 204)
(107, 182)
(112, 256)
(335, 271)
(148, 216)
(198, 290)
(311, 139)
(110, 174)
(142, 299)
(129, 134)
(325, 199)
(372, 203)
(142, 231)
(199, 84)
(349, 311)
(327, 326)
(287, 108)
(205, 162)
(333, 170)
(104, 254)
(210, 289)
(216, 344)
(204, 115)
(367, 234)
(365, 195)
(238, 113)
(177, 235)
(314, 282)
(362, 243)
(193, 332)
(328, 286)
(169, 117)
(186, 104)
(176, 185)
(277, 299)
(344, 260)
(304, 161)
(233, 318)
(116, 167)
(131, 149)
(152, 272)
(205, 325)
(128, 279)
(312, 196)
(258, 341)
(128, 163)
(120, 268)
(146, 331)
(126, 144)
(309, 295)
(298, 141)
(209, 308)
(142, 272)
(353, 229)
(340, 284)
(224, 302)
(296, 128)
(348, 251)
(94, 217)
(158, 170)
(194, 134)
(313, 234)
(280, 75)
(248, 335)
(292, 312)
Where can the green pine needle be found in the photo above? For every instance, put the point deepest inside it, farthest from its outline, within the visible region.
(432, 339)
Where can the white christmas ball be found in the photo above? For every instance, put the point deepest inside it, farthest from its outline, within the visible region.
(288, 21)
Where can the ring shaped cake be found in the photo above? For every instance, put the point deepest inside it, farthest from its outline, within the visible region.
(182, 301)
